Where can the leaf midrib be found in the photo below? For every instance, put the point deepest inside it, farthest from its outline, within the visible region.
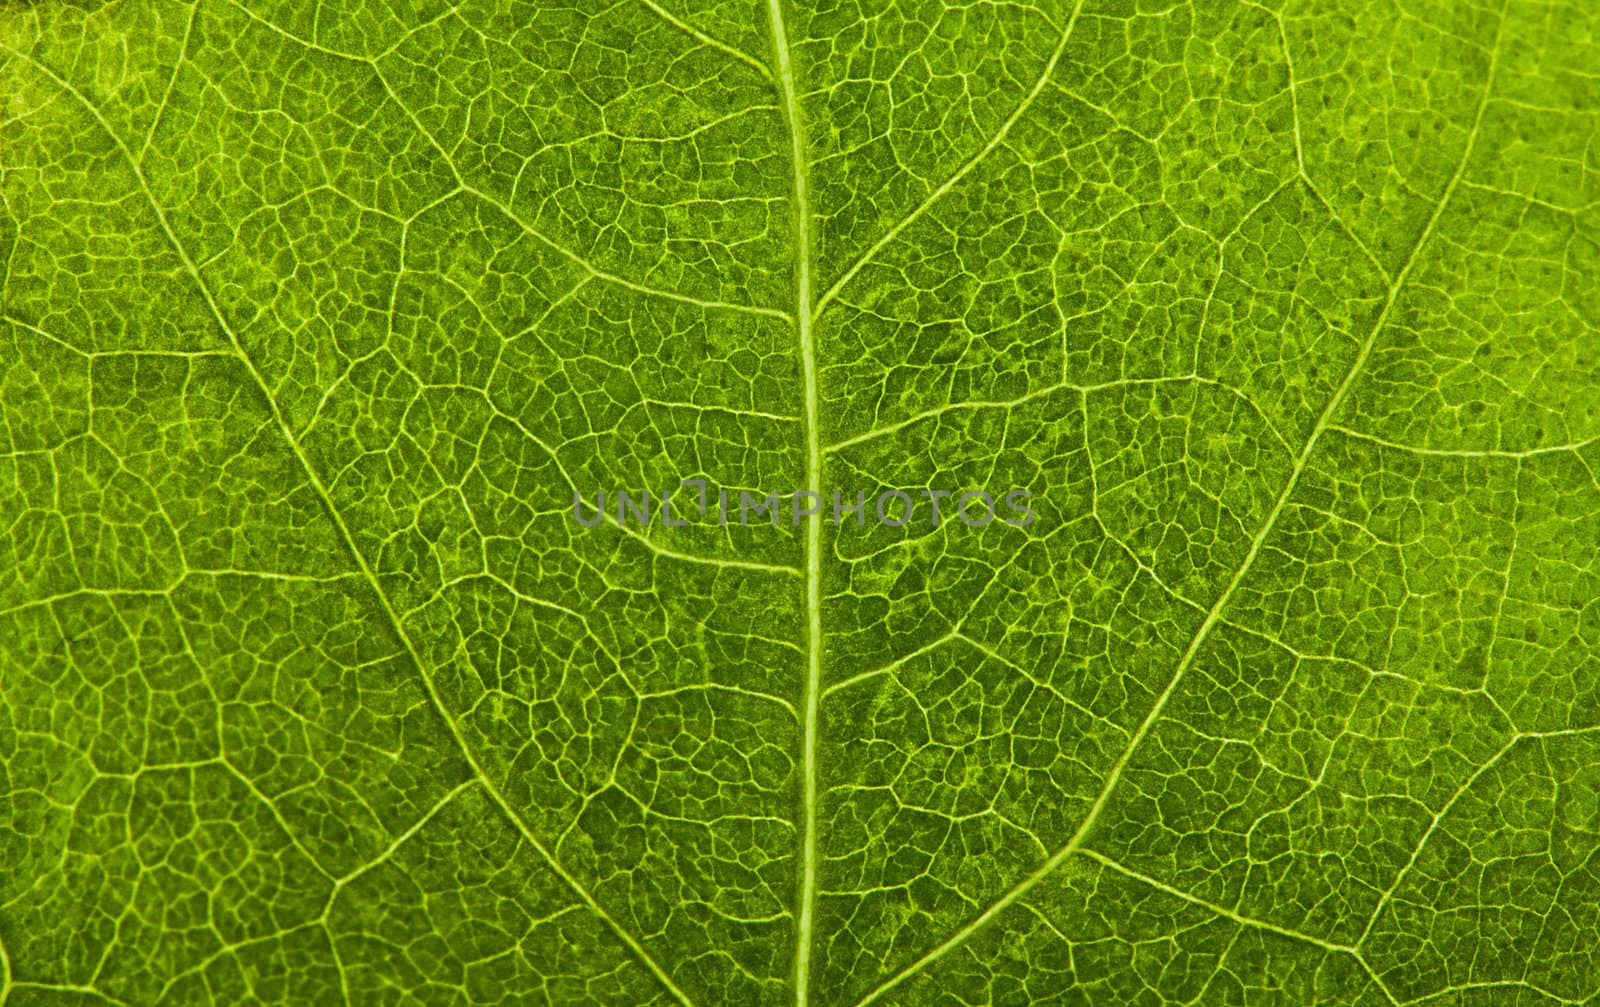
(811, 690)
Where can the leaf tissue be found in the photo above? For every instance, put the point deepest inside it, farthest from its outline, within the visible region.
(324, 326)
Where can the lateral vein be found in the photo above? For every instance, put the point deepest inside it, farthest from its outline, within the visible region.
(972, 162)
(1075, 843)
(343, 528)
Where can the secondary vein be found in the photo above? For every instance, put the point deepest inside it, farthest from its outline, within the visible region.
(342, 528)
(1074, 843)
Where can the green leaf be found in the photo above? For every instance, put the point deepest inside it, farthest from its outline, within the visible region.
(315, 316)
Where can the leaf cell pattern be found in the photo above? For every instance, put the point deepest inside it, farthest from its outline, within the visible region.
(313, 317)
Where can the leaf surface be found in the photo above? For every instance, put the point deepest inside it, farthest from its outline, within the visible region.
(314, 317)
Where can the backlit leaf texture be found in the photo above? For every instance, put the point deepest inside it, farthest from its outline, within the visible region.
(314, 315)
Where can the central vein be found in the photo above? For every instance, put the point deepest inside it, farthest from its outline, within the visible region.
(805, 910)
